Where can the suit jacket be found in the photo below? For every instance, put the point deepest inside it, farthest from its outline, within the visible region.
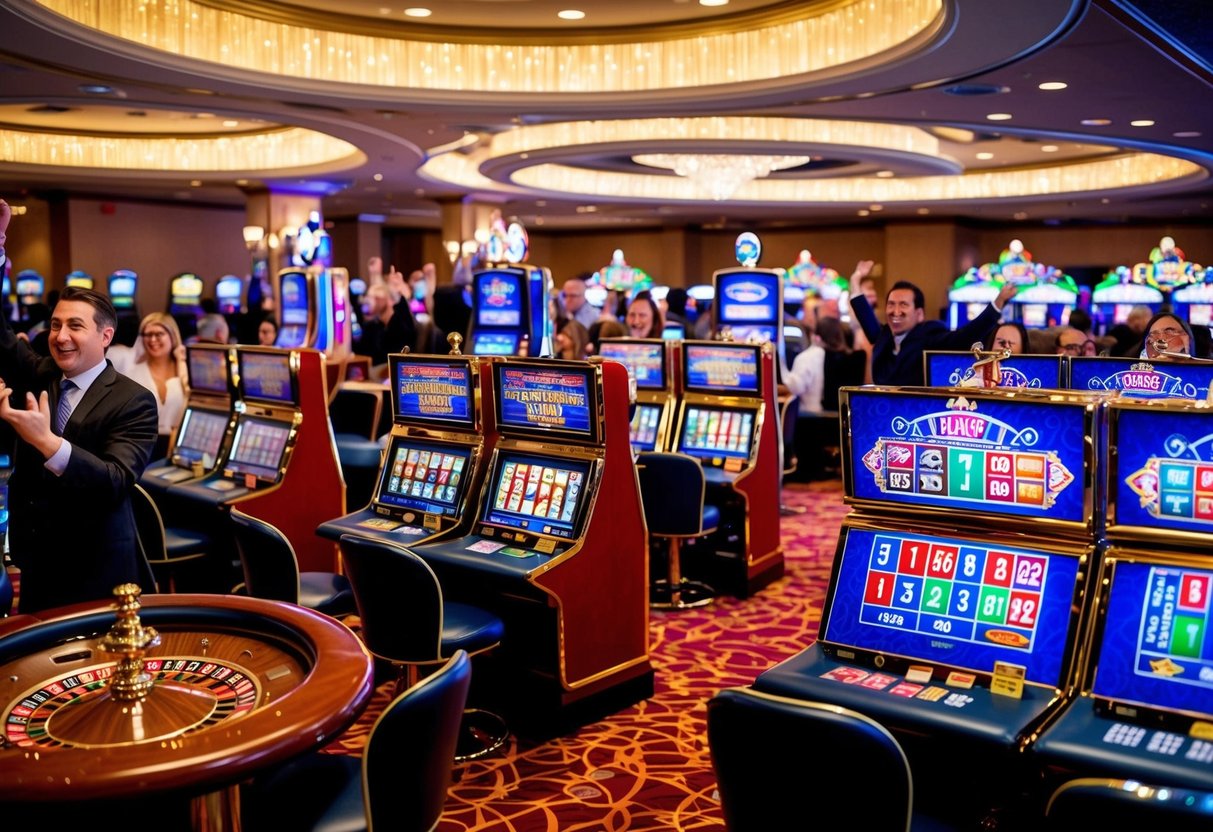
(904, 368)
(74, 536)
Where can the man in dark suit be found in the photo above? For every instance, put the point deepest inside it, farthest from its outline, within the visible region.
(897, 347)
(72, 532)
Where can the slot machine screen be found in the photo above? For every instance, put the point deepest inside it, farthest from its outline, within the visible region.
(199, 438)
(952, 601)
(673, 332)
(258, 449)
(293, 309)
(496, 343)
(538, 494)
(209, 370)
(499, 298)
(950, 369)
(1034, 315)
(747, 298)
(1155, 646)
(434, 392)
(227, 293)
(548, 400)
(645, 360)
(266, 376)
(643, 430)
(1200, 314)
(721, 368)
(185, 291)
(424, 476)
(122, 290)
(1120, 313)
(30, 287)
(709, 432)
(753, 334)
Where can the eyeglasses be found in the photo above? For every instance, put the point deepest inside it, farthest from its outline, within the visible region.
(1004, 343)
(1075, 348)
(153, 334)
(1168, 333)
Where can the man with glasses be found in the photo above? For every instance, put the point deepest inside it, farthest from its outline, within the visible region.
(575, 304)
(1167, 336)
(1072, 341)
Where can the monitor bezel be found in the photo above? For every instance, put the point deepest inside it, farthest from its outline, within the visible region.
(593, 377)
(471, 423)
(701, 453)
(195, 386)
(502, 456)
(278, 355)
(519, 274)
(191, 411)
(230, 463)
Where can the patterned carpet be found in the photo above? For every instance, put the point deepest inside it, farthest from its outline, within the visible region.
(647, 767)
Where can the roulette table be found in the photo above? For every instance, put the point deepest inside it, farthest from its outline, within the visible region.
(170, 699)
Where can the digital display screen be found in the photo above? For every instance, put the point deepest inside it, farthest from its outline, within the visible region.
(258, 448)
(951, 369)
(209, 370)
(228, 292)
(291, 336)
(185, 291)
(673, 332)
(645, 423)
(499, 298)
(753, 334)
(721, 368)
(541, 495)
(952, 601)
(30, 287)
(495, 343)
(558, 397)
(1156, 644)
(122, 288)
(1141, 378)
(266, 376)
(645, 360)
(293, 299)
(434, 392)
(748, 297)
(709, 432)
(424, 476)
(357, 287)
(199, 438)
(1017, 455)
(1034, 314)
(1200, 314)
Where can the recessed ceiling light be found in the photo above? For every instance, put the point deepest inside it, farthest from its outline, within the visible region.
(713, 2)
(570, 14)
(985, 155)
(1187, 134)
(1142, 122)
(241, 182)
(923, 211)
(95, 89)
(863, 212)
(1050, 86)
(378, 177)
(998, 117)
(875, 207)
(1049, 148)
(231, 123)
(195, 183)
(1020, 215)
(885, 174)
(417, 12)
(1096, 122)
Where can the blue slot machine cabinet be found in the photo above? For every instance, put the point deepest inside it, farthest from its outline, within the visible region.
(1141, 378)
(229, 295)
(30, 287)
(749, 300)
(296, 321)
(510, 311)
(648, 361)
(314, 311)
(122, 285)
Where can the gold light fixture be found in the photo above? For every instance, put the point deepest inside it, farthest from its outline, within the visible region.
(719, 174)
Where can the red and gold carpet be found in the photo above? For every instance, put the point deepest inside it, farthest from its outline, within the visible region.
(647, 767)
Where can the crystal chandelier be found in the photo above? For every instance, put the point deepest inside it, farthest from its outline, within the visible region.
(719, 174)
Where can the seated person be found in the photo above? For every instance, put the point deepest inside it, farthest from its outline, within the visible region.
(1010, 335)
(1167, 335)
(1073, 341)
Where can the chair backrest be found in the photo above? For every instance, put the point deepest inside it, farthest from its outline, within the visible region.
(827, 750)
(6, 592)
(271, 570)
(1100, 803)
(788, 415)
(149, 535)
(410, 753)
(672, 488)
(355, 411)
(399, 600)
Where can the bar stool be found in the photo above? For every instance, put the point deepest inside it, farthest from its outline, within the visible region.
(672, 487)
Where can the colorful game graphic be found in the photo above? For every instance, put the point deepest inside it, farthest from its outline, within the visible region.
(1141, 378)
(1166, 474)
(960, 454)
(953, 369)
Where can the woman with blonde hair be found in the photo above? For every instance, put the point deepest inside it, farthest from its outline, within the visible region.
(157, 361)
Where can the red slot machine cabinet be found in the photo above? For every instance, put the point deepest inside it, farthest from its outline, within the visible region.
(649, 362)
(559, 547)
(728, 419)
(436, 452)
(204, 436)
(282, 465)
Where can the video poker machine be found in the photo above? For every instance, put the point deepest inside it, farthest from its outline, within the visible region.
(728, 419)
(649, 362)
(435, 458)
(204, 436)
(954, 614)
(281, 466)
(558, 547)
(946, 368)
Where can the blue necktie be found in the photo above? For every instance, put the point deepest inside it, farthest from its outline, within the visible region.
(64, 412)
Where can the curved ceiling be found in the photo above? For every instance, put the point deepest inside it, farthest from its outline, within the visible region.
(909, 107)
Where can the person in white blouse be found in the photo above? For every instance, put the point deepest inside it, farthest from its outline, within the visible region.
(157, 361)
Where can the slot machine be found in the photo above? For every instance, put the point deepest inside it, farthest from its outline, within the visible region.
(204, 436)
(229, 295)
(313, 311)
(281, 465)
(947, 368)
(185, 298)
(434, 460)
(1113, 298)
(121, 285)
(1146, 696)
(1141, 378)
(648, 362)
(558, 547)
(80, 279)
(510, 311)
(728, 419)
(749, 300)
(1194, 302)
(30, 287)
(953, 612)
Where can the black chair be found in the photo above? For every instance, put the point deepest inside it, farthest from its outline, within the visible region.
(271, 570)
(356, 415)
(1100, 803)
(405, 621)
(830, 751)
(673, 487)
(399, 784)
(788, 414)
(159, 565)
(355, 411)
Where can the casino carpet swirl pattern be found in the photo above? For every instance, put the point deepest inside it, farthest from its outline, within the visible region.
(647, 767)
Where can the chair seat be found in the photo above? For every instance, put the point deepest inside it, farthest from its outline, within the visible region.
(469, 628)
(357, 451)
(185, 544)
(711, 517)
(326, 592)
